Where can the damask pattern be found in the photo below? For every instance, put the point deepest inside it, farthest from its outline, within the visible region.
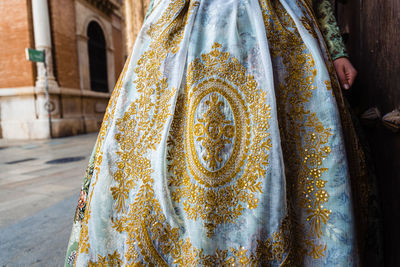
(219, 196)
(306, 137)
(82, 214)
(145, 223)
(326, 20)
(194, 153)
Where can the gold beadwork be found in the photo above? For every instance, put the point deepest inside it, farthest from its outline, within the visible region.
(143, 220)
(84, 245)
(306, 138)
(214, 131)
(219, 196)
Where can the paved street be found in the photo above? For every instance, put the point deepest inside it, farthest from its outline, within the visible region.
(39, 187)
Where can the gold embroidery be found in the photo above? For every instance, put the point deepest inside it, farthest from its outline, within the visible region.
(214, 131)
(328, 85)
(102, 261)
(145, 223)
(84, 245)
(274, 249)
(168, 32)
(308, 24)
(138, 133)
(306, 138)
(221, 195)
(227, 172)
(143, 220)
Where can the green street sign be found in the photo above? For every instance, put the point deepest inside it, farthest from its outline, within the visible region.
(34, 55)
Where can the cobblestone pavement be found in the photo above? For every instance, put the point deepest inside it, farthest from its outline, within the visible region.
(39, 188)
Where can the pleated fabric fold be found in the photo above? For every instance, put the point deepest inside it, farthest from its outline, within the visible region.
(222, 144)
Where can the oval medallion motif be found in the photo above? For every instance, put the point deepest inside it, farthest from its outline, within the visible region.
(215, 130)
(219, 141)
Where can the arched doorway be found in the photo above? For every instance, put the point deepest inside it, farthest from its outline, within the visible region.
(97, 58)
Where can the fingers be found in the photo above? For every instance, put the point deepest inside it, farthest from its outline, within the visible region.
(351, 74)
(345, 71)
(342, 77)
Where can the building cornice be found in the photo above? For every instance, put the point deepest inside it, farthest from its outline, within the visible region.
(106, 6)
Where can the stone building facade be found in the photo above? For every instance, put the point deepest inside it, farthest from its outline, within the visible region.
(85, 52)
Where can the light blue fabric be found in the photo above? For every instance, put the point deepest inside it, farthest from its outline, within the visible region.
(225, 55)
(149, 9)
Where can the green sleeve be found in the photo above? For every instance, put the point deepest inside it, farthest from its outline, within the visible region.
(328, 24)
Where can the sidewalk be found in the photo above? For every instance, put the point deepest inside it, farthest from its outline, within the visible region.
(39, 188)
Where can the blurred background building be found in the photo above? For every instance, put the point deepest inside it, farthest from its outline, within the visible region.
(86, 44)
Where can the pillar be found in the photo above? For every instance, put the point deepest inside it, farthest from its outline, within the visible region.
(42, 35)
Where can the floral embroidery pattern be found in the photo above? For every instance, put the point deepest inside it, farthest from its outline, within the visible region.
(330, 30)
(219, 197)
(214, 131)
(218, 152)
(306, 138)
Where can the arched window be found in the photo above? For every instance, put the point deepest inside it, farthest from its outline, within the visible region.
(97, 58)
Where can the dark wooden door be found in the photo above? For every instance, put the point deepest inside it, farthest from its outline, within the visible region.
(372, 33)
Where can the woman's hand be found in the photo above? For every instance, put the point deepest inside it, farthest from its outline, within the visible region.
(346, 72)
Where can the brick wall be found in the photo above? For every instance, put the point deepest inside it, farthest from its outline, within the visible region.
(65, 53)
(15, 36)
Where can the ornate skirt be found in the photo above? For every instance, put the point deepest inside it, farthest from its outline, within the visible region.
(222, 144)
